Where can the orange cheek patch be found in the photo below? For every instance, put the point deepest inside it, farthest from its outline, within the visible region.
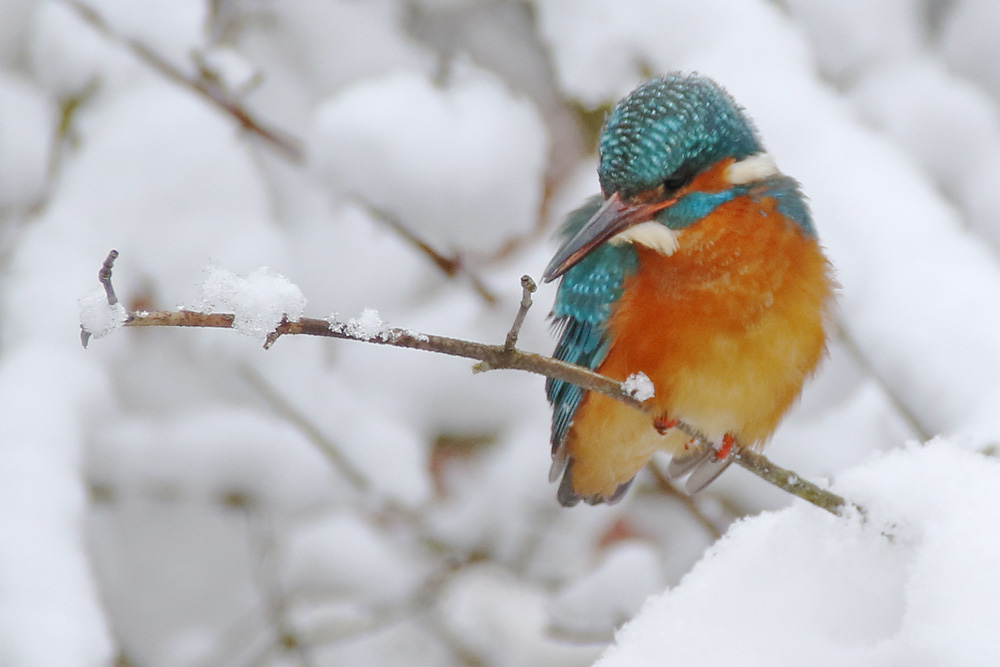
(712, 180)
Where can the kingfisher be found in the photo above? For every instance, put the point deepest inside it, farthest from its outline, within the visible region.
(698, 266)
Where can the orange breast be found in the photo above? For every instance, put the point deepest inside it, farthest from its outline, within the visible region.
(728, 328)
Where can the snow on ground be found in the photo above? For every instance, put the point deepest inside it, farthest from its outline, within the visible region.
(185, 498)
(912, 585)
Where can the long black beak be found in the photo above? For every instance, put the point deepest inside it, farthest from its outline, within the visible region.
(613, 217)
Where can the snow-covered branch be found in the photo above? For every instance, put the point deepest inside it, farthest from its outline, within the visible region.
(490, 357)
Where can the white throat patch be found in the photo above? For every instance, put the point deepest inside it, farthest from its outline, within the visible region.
(651, 234)
(757, 167)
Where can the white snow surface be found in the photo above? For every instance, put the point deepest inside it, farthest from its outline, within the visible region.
(912, 585)
(183, 497)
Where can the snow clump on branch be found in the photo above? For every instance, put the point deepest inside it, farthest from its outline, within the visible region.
(258, 302)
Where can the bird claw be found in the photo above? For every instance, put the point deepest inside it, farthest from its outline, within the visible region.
(726, 449)
(705, 473)
(682, 464)
(701, 464)
(663, 423)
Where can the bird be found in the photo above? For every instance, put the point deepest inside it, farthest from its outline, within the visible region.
(699, 267)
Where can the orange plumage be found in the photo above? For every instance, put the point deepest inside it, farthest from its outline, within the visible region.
(728, 327)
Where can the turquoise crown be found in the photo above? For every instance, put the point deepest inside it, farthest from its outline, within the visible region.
(669, 129)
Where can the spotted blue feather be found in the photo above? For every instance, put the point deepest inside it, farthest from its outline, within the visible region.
(671, 127)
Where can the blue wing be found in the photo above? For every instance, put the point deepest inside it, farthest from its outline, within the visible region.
(581, 311)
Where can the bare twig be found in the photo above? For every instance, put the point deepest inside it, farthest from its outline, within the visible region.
(918, 429)
(285, 640)
(787, 480)
(288, 146)
(104, 275)
(499, 357)
(451, 266)
(528, 288)
(274, 398)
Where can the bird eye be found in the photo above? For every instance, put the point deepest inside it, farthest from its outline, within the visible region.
(676, 181)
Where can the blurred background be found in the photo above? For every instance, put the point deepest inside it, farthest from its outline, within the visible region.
(182, 497)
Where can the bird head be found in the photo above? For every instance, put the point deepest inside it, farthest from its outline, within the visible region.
(655, 142)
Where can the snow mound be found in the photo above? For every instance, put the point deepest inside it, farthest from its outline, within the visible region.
(914, 585)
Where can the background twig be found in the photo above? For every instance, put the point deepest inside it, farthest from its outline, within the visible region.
(284, 143)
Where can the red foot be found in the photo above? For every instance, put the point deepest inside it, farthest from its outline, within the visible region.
(726, 449)
(662, 424)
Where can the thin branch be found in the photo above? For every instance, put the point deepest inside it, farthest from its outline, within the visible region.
(785, 479)
(286, 145)
(499, 357)
(104, 275)
(286, 640)
(528, 288)
(905, 413)
(284, 408)
(451, 266)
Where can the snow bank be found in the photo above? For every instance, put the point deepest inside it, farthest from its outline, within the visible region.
(914, 585)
